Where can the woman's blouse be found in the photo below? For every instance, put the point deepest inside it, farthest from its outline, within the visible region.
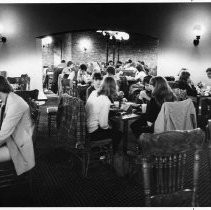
(97, 110)
(152, 110)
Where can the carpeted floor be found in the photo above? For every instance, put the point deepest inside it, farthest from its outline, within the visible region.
(57, 180)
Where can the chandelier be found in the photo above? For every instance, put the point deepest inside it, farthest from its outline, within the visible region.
(118, 35)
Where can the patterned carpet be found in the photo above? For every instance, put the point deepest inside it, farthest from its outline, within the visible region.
(57, 180)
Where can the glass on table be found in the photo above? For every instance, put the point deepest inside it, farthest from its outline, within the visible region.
(116, 104)
(144, 108)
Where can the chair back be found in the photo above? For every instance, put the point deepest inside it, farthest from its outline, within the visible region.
(169, 160)
(20, 83)
(71, 121)
(35, 116)
(180, 94)
(128, 73)
(3, 73)
(10, 183)
(28, 94)
(178, 115)
(67, 86)
(25, 82)
(13, 80)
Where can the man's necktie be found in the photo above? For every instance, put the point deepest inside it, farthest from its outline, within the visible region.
(2, 115)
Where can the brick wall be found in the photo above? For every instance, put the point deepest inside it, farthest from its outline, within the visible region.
(143, 48)
(138, 47)
(95, 50)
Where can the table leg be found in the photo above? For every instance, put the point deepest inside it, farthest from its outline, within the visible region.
(125, 136)
(197, 106)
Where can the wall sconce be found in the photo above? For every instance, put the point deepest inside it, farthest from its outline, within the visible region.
(196, 41)
(197, 30)
(84, 44)
(47, 41)
(3, 39)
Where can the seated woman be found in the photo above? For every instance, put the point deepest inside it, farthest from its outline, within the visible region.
(184, 82)
(97, 109)
(96, 82)
(16, 129)
(161, 92)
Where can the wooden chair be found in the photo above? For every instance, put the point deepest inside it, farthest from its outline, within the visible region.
(51, 112)
(178, 115)
(3, 73)
(30, 96)
(92, 153)
(20, 83)
(72, 135)
(75, 88)
(208, 133)
(181, 94)
(165, 161)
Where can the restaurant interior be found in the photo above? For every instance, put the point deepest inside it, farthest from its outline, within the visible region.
(169, 167)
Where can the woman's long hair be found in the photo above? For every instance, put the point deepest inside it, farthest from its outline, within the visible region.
(5, 86)
(162, 91)
(108, 88)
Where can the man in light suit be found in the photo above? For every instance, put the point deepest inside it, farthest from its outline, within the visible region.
(16, 129)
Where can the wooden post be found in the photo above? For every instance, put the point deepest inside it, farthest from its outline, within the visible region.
(146, 177)
(114, 50)
(118, 48)
(107, 47)
(195, 178)
(209, 134)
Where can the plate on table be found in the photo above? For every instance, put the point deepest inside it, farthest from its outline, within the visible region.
(133, 104)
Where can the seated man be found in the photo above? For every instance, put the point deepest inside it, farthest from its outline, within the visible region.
(69, 70)
(96, 82)
(145, 95)
(140, 73)
(137, 85)
(83, 77)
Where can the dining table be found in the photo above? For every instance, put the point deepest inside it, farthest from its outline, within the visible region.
(125, 116)
(199, 98)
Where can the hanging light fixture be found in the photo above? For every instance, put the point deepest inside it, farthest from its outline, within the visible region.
(119, 35)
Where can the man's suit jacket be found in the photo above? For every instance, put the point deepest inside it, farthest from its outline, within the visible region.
(16, 131)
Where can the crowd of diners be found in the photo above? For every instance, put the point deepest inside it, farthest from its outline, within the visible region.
(103, 89)
(104, 83)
